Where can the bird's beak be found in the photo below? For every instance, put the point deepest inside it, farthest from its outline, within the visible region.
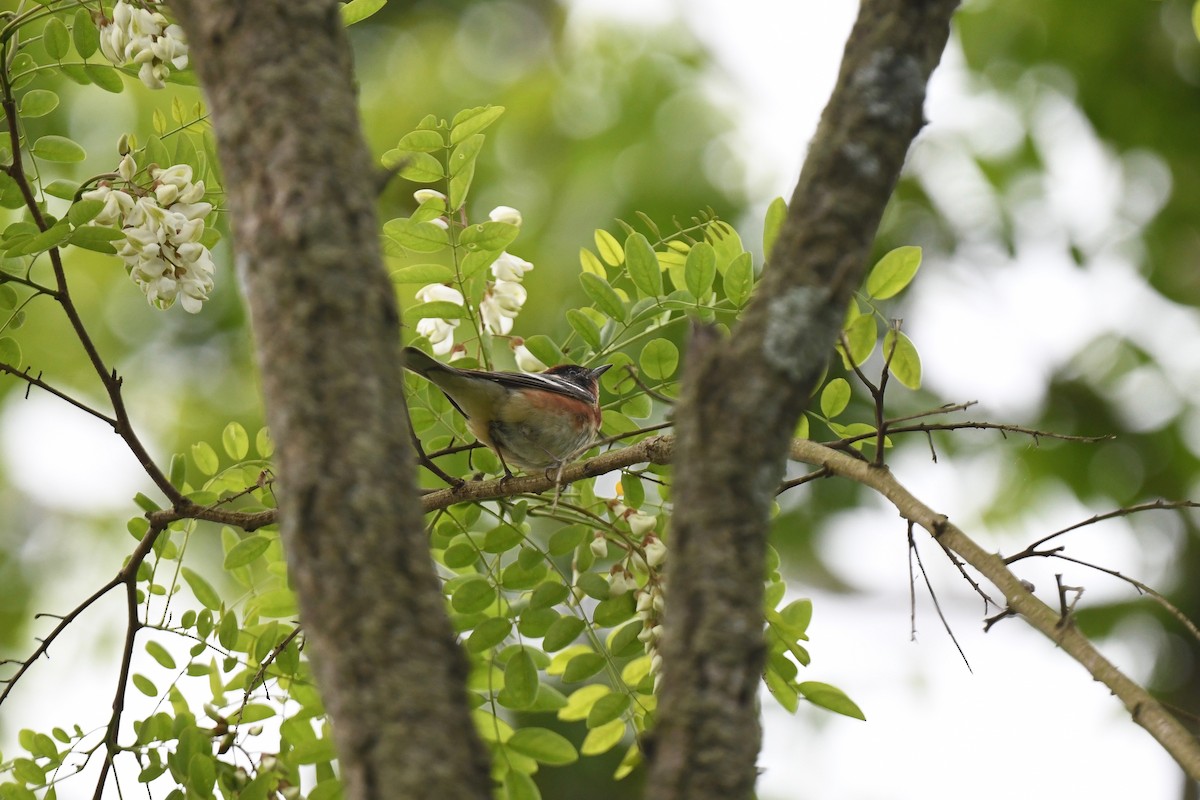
(600, 370)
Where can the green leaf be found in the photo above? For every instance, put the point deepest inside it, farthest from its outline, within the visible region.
(58, 148)
(421, 141)
(1196, 19)
(603, 295)
(542, 745)
(776, 213)
(518, 786)
(438, 309)
(581, 701)
(782, 690)
(590, 263)
(835, 397)
(520, 681)
(905, 363)
(642, 264)
(62, 189)
(659, 359)
(56, 38)
(8, 297)
(700, 269)
(145, 685)
(107, 78)
(423, 274)
(861, 335)
(472, 596)
(10, 352)
(203, 590)
(489, 236)
(205, 458)
(85, 34)
(263, 443)
(582, 324)
(564, 631)
(613, 611)
(246, 551)
(726, 243)
(417, 167)
(471, 121)
(893, 272)
(739, 279)
(488, 634)
(420, 237)
(797, 615)
(609, 249)
(160, 654)
(582, 667)
(98, 239)
(235, 441)
(545, 350)
(279, 602)
(462, 169)
(84, 211)
(607, 708)
(358, 10)
(604, 738)
(831, 697)
(38, 102)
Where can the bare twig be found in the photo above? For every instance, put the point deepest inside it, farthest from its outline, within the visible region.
(1154, 505)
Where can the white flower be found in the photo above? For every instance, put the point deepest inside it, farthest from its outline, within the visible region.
(510, 268)
(425, 195)
(500, 306)
(656, 551)
(439, 332)
(505, 214)
(140, 36)
(127, 168)
(161, 249)
(599, 545)
(526, 361)
(641, 524)
(440, 222)
(620, 581)
(439, 292)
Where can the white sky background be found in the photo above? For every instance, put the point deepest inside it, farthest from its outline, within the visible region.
(1028, 722)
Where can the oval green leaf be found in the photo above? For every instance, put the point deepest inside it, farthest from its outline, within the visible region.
(246, 551)
(904, 363)
(739, 279)
(235, 440)
(59, 149)
(835, 397)
(642, 264)
(542, 745)
(659, 359)
(603, 295)
(893, 272)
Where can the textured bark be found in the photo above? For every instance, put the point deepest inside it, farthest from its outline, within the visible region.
(300, 186)
(742, 398)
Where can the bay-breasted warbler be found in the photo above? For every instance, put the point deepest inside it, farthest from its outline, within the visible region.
(533, 421)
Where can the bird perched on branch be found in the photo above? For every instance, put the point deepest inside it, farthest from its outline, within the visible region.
(532, 421)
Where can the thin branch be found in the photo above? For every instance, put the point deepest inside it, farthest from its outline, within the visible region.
(912, 544)
(1155, 505)
(37, 381)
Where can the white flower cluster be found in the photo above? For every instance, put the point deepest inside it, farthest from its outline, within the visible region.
(648, 558)
(162, 225)
(439, 332)
(140, 36)
(502, 300)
